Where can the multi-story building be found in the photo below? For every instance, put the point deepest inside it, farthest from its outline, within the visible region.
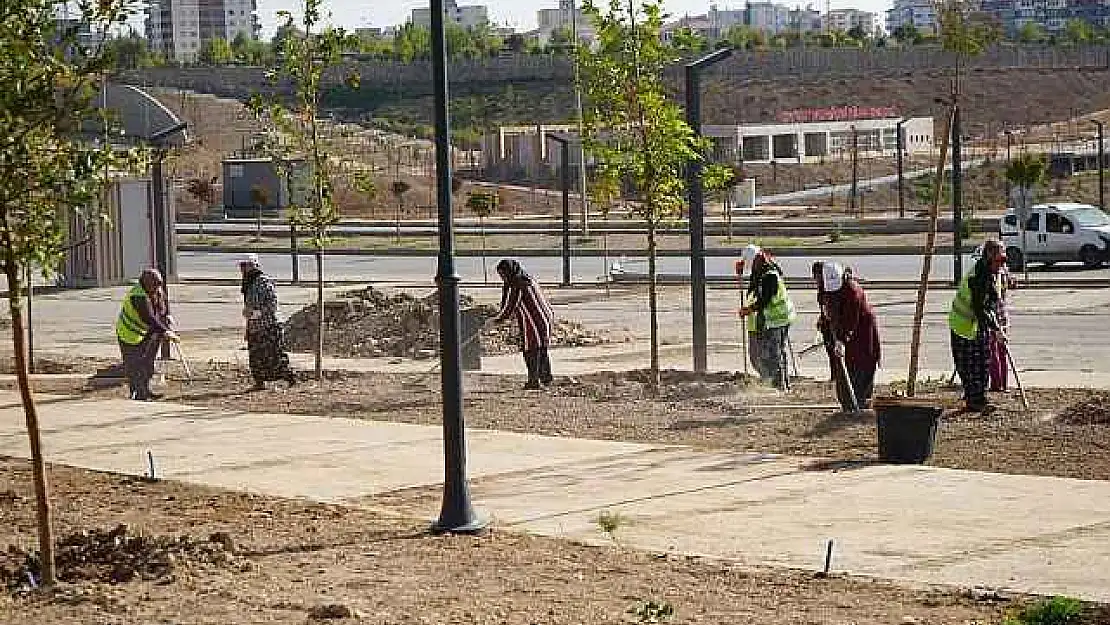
(768, 17)
(563, 19)
(178, 29)
(1051, 15)
(848, 19)
(921, 14)
(471, 16)
(84, 35)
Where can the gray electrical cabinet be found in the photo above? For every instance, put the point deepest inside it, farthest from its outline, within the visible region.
(251, 184)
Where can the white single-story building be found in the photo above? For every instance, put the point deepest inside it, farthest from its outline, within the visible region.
(523, 152)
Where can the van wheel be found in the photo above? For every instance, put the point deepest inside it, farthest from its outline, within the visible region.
(1090, 256)
(1013, 259)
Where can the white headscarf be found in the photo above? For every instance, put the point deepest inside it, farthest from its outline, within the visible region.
(251, 259)
(750, 252)
(832, 276)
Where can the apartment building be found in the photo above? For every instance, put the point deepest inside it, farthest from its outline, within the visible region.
(848, 19)
(471, 16)
(1051, 15)
(921, 14)
(564, 18)
(178, 29)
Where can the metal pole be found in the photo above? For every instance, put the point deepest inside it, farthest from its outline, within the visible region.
(457, 513)
(957, 201)
(1101, 166)
(855, 170)
(564, 174)
(1009, 188)
(161, 245)
(585, 218)
(293, 252)
(901, 180)
(697, 211)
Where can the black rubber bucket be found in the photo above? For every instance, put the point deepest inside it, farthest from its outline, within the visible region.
(907, 429)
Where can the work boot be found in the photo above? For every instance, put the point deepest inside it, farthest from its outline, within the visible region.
(291, 378)
(257, 386)
(532, 385)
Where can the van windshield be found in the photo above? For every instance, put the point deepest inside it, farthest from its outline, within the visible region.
(1089, 217)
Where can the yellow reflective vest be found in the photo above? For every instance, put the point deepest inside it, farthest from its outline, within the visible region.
(130, 327)
(961, 316)
(779, 313)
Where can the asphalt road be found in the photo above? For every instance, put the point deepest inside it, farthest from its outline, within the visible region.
(549, 269)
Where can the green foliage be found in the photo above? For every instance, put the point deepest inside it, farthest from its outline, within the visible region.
(1054, 611)
(49, 174)
(1031, 32)
(216, 51)
(636, 133)
(652, 611)
(610, 522)
(482, 203)
(131, 52)
(964, 30)
(1027, 170)
(294, 126)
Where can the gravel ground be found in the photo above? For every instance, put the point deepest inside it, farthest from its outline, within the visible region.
(1066, 433)
(295, 562)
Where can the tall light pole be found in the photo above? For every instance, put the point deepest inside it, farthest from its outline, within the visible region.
(1009, 140)
(697, 209)
(1101, 164)
(585, 218)
(901, 146)
(457, 514)
(564, 174)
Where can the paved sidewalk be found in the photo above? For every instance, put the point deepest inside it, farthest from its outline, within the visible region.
(1034, 534)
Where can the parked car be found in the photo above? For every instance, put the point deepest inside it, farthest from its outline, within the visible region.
(1058, 233)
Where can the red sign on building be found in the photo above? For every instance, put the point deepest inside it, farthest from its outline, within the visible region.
(836, 114)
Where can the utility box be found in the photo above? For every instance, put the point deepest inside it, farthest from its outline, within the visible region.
(113, 250)
(471, 323)
(254, 184)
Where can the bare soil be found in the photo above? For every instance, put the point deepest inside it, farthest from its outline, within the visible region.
(290, 561)
(1057, 437)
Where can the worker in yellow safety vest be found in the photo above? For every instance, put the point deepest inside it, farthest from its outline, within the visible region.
(972, 319)
(768, 315)
(141, 326)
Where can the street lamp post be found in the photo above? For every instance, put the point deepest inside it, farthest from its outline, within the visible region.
(1101, 164)
(457, 514)
(1009, 139)
(901, 146)
(564, 174)
(697, 209)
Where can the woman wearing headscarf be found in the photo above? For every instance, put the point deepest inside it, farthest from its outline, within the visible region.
(851, 324)
(141, 326)
(769, 315)
(521, 298)
(266, 353)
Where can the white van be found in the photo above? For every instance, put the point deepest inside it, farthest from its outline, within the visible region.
(1059, 233)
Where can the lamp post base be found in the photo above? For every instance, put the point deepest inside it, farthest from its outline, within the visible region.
(473, 523)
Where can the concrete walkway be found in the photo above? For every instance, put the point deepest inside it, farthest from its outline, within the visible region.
(1032, 534)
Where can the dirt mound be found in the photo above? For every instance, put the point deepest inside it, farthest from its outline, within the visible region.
(674, 385)
(368, 323)
(114, 556)
(1095, 412)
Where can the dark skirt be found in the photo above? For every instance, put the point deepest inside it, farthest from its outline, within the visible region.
(138, 364)
(268, 360)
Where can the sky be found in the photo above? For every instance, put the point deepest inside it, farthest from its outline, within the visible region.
(520, 14)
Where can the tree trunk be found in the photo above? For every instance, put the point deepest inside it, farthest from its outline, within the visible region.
(927, 262)
(30, 411)
(319, 350)
(653, 305)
